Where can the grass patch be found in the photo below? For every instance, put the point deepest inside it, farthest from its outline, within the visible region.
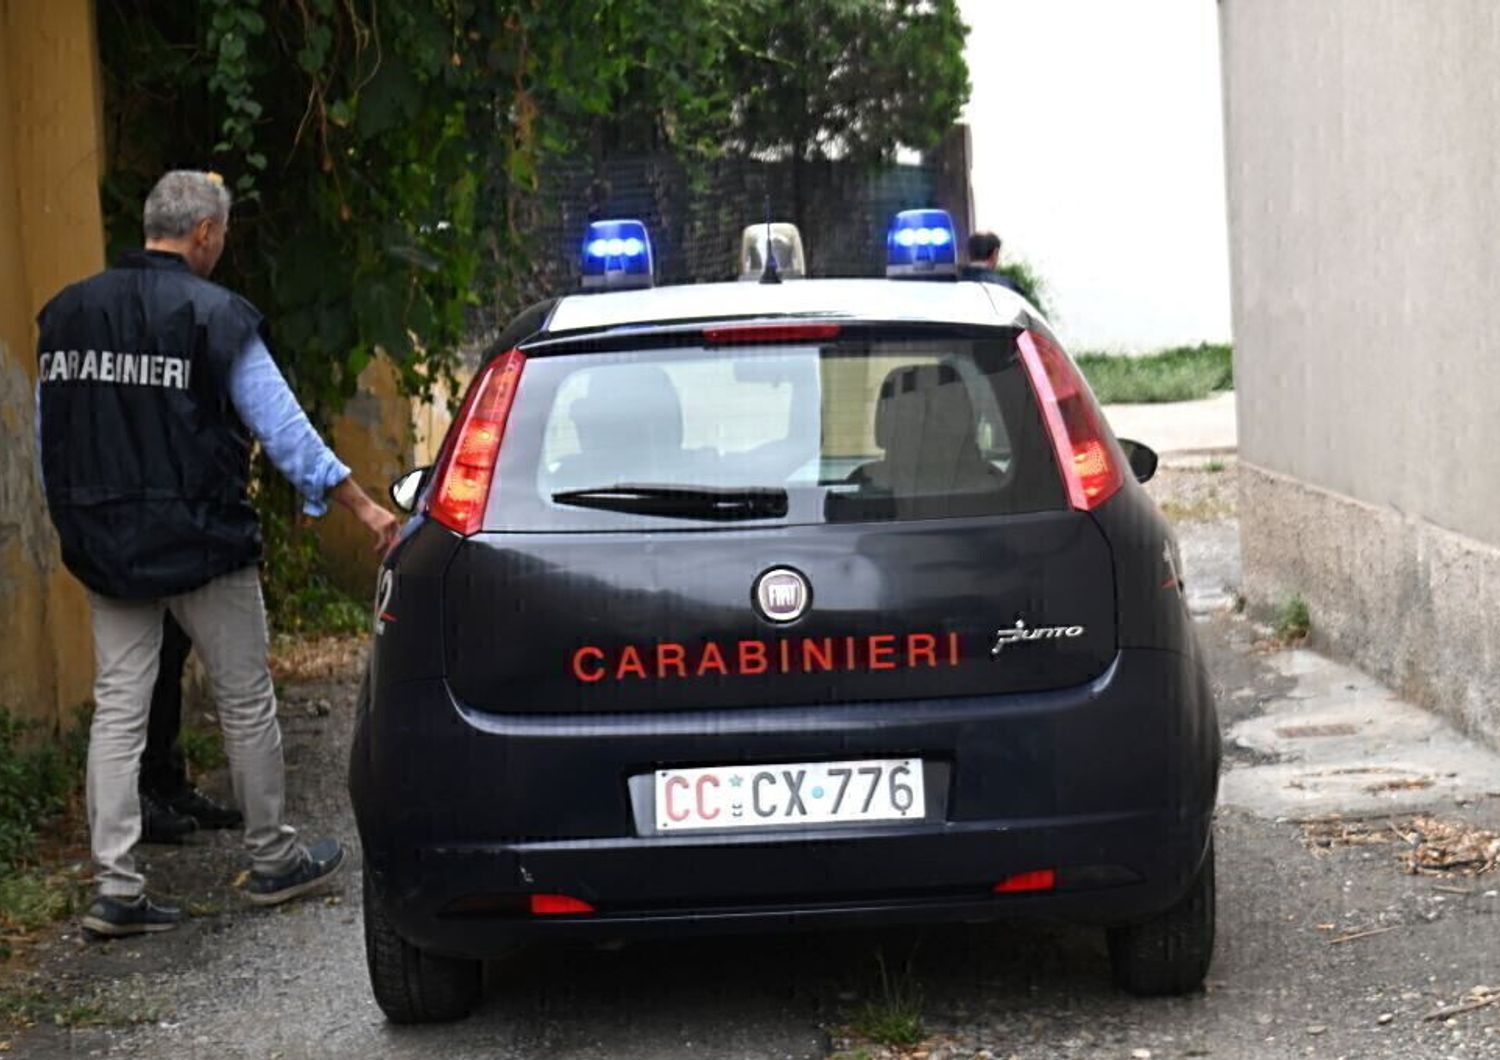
(203, 748)
(1208, 508)
(31, 899)
(894, 1017)
(38, 775)
(1184, 373)
(301, 598)
(39, 778)
(29, 1007)
(1213, 467)
(1293, 622)
(296, 658)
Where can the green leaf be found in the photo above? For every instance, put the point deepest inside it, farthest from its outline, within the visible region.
(294, 332)
(421, 321)
(357, 360)
(320, 39)
(256, 161)
(378, 321)
(340, 113)
(304, 266)
(415, 255)
(393, 98)
(335, 326)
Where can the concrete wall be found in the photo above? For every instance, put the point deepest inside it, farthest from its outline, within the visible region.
(1364, 203)
(50, 234)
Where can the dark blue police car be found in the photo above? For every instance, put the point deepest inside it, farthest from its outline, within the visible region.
(754, 606)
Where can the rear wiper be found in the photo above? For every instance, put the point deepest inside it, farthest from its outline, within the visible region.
(682, 502)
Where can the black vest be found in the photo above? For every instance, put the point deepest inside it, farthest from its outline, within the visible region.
(145, 461)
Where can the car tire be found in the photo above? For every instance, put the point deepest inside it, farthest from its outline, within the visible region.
(410, 985)
(1169, 954)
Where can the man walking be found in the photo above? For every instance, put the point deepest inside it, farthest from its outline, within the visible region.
(152, 384)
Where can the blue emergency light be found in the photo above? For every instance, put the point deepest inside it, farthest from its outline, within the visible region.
(921, 245)
(616, 256)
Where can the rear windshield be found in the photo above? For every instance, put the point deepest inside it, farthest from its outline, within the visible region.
(848, 431)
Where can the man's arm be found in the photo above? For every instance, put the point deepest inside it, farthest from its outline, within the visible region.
(269, 408)
(380, 522)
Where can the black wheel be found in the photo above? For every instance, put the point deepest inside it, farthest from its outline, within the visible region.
(412, 986)
(1170, 953)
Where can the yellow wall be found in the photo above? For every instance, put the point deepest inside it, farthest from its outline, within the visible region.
(375, 437)
(51, 233)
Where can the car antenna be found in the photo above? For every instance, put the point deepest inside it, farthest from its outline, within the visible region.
(771, 274)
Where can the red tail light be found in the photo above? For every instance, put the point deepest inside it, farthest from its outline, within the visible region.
(466, 468)
(1087, 455)
(1039, 880)
(763, 334)
(558, 905)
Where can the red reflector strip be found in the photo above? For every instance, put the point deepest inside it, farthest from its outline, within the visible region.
(752, 334)
(558, 905)
(1038, 880)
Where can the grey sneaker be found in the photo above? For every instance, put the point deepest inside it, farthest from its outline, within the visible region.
(117, 917)
(322, 860)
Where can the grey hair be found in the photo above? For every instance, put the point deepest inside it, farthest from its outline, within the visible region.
(181, 199)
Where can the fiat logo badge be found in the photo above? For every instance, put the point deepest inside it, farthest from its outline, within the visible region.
(782, 595)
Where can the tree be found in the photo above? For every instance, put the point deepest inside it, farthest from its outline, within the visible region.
(379, 153)
(386, 154)
(851, 79)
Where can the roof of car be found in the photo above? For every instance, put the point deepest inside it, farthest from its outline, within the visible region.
(870, 299)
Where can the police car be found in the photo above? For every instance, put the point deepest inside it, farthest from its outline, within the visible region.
(780, 605)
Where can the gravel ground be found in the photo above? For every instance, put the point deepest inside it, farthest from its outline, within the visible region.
(291, 983)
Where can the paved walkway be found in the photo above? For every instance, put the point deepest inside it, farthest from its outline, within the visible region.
(1206, 426)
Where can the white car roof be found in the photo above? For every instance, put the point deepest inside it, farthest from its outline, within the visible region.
(872, 299)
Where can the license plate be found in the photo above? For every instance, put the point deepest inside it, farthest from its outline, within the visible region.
(720, 797)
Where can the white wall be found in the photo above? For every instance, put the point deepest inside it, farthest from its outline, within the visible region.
(1098, 157)
(1365, 195)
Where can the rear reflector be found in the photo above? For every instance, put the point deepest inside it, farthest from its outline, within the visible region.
(763, 334)
(1038, 880)
(466, 468)
(558, 905)
(1089, 458)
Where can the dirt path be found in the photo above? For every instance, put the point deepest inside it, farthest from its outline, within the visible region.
(291, 983)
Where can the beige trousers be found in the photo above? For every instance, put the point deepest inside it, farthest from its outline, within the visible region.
(227, 620)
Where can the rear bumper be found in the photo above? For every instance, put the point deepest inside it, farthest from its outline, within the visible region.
(461, 813)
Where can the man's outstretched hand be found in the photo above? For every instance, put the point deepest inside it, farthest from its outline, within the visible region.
(377, 520)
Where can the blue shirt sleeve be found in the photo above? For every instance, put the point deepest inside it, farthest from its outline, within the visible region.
(269, 408)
